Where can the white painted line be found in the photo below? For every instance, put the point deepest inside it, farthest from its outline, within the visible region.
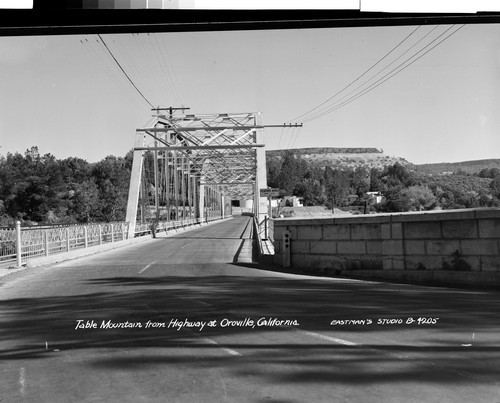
(227, 350)
(147, 267)
(195, 301)
(327, 338)
(22, 380)
(200, 302)
(151, 309)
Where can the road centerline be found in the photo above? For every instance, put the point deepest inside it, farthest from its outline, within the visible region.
(327, 338)
(146, 267)
(230, 351)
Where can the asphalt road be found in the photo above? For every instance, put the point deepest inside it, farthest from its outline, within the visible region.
(217, 328)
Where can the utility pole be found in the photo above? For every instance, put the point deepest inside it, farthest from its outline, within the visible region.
(170, 110)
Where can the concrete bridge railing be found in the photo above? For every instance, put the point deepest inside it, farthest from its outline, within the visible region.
(452, 246)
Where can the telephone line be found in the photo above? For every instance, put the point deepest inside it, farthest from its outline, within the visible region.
(385, 77)
(109, 70)
(171, 75)
(123, 71)
(359, 77)
(360, 86)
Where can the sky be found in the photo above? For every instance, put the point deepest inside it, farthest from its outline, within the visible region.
(66, 95)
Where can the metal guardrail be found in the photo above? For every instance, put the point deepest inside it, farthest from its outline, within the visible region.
(18, 245)
(263, 228)
(270, 230)
(263, 235)
(8, 244)
(164, 226)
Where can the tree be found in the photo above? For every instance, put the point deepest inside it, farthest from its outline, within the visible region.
(273, 167)
(312, 191)
(394, 201)
(46, 190)
(418, 198)
(292, 172)
(112, 179)
(360, 181)
(337, 186)
(376, 184)
(397, 175)
(85, 203)
(495, 186)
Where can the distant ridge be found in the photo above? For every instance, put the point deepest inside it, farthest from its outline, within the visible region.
(341, 158)
(330, 150)
(371, 157)
(470, 167)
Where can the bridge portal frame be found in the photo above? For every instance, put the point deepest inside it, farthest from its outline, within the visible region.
(222, 157)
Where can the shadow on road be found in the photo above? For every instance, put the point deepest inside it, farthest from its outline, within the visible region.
(32, 328)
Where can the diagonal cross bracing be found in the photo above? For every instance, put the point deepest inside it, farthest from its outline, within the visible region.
(190, 164)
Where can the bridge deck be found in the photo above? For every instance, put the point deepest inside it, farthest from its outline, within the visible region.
(226, 241)
(55, 348)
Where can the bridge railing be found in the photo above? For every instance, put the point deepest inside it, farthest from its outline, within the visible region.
(21, 244)
(7, 244)
(265, 229)
(18, 245)
(142, 229)
(264, 235)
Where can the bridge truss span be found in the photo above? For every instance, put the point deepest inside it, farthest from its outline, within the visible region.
(189, 166)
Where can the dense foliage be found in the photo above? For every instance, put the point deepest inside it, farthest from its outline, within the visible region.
(43, 189)
(404, 188)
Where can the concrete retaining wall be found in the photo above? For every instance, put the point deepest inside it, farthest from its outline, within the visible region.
(451, 242)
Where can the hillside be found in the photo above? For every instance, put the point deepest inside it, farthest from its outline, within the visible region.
(470, 167)
(342, 157)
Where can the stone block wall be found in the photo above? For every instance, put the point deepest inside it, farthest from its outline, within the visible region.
(332, 243)
(450, 241)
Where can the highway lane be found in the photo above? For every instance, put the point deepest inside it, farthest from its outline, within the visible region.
(222, 338)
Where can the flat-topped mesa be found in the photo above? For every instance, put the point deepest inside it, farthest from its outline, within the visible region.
(341, 158)
(330, 150)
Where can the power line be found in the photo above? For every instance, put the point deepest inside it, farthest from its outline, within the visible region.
(281, 136)
(296, 137)
(292, 134)
(155, 75)
(123, 71)
(359, 77)
(171, 75)
(389, 75)
(326, 109)
(109, 70)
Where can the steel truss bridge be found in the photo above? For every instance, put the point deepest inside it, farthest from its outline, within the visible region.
(188, 166)
(186, 169)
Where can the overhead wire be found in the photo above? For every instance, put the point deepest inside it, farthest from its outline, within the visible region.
(144, 63)
(136, 58)
(169, 74)
(389, 75)
(281, 136)
(296, 136)
(359, 77)
(375, 75)
(128, 59)
(408, 61)
(362, 91)
(151, 57)
(94, 49)
(162, 78)
(294, 129)
(123, 71)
